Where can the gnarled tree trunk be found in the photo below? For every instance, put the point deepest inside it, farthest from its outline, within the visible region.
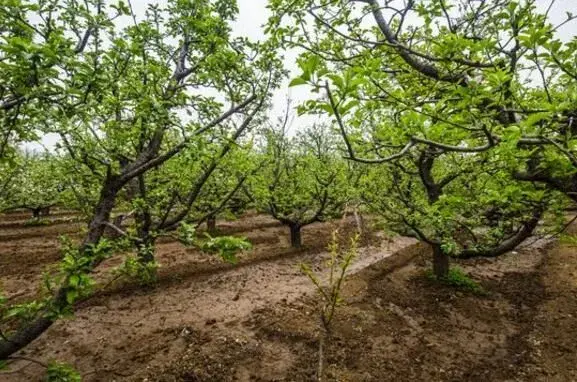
(32, 330)
(36, 212)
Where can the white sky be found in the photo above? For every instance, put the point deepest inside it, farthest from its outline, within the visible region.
(254, 14)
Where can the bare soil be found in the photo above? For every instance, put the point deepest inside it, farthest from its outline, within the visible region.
(258, 320)
(125, 330)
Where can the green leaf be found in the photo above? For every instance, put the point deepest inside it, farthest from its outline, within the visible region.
(345, 108)
(74, 281)
(326, 107)
(535, 118)
(337, 81)
(297, 81)
(71, 296)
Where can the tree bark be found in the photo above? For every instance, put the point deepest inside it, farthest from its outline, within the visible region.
(440, 262)
(296, 240)
(211, 225)
(144, 224)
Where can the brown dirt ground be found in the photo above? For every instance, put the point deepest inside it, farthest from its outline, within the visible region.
(257, 321)
(126, 330)
(397, 325)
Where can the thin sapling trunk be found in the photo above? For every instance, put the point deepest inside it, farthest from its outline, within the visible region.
(330, 295)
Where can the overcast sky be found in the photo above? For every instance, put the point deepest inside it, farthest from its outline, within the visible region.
(254, 14)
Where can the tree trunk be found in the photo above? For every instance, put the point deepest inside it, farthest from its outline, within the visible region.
(296, 240)
(101, 215)
(321, 364)
(32, 330)
(211, 225)
(440, 262)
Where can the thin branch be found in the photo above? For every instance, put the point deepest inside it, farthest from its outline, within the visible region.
(117, 229)
(143, 167)
(350, 149)
(422, 67)
(81, 45)
(460, 149)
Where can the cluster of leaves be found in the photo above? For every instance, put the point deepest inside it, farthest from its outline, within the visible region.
(61, 372)
(74, 271)
(24, 313)
(37, 182)
(458, 279)
(225, 246)
(77, 264)
(145, 273)
(304, 179)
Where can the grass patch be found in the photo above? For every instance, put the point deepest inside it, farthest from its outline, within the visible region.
(568, 239)
(34, 222)
(458, 279)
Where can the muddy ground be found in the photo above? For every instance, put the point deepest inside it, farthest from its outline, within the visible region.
(258, 320)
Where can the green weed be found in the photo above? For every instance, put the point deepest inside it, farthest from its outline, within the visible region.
(457, 278)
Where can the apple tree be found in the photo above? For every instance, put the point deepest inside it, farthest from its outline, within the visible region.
(304, 180)
(123, 100)
(439, 92)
